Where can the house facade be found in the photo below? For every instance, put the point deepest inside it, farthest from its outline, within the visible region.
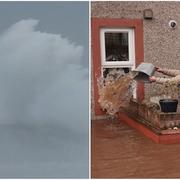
(124, 34)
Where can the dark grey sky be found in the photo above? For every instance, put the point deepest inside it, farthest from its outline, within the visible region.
(70, 19)
(44, 104)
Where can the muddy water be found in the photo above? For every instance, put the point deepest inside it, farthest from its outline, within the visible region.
(114, 93)
(119, 151)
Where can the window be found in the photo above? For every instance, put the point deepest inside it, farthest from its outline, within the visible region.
(117, 51)
(117, 48)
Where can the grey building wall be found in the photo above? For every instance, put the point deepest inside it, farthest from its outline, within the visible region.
(161, 43)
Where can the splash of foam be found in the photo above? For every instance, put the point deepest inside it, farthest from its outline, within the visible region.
(41, 78)
(115, 91)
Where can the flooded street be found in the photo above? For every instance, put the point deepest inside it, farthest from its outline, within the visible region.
(118, 151)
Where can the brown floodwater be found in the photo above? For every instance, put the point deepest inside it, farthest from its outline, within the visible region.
(118, 151)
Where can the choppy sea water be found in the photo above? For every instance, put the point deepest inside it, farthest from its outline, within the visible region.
(42, 152)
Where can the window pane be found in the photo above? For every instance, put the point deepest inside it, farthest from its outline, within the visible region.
(116, 46)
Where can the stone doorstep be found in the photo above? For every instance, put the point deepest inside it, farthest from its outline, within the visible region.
(169, 116)
(156, 121)
(155, 129)
(145, 123)
(165, 138)
(170, 131)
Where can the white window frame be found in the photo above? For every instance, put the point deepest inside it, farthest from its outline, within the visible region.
(131, 48)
